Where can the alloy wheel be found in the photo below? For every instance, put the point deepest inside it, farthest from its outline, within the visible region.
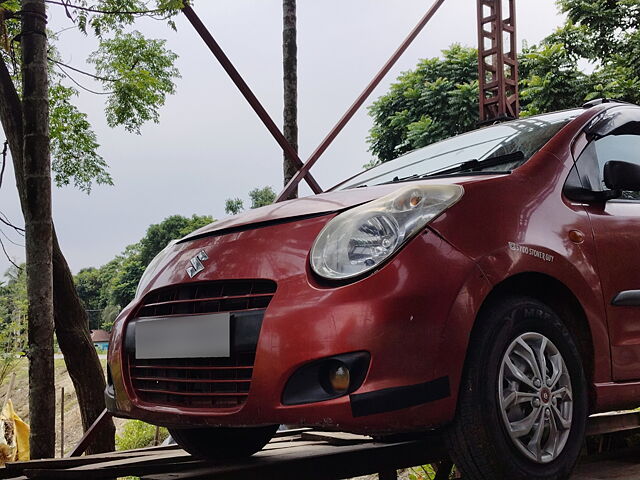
(535, 397)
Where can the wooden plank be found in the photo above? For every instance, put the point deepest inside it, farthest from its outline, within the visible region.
(285, 445)
(336, 438)
(319, 462)
(621, 465)
(291, 432)
(613, 422)
(18, 467)
(121, 466)
(142, 466)
(86, 439)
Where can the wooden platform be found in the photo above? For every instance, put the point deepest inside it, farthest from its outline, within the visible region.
(306, 454)
(291, 455)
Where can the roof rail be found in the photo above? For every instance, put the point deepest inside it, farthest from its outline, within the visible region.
(600, 101)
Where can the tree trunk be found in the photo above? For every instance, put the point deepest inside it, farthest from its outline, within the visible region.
(38, 228)
(80, 355)
(71, 322)
(290, 81)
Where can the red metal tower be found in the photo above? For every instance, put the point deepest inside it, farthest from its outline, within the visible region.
(498, 62)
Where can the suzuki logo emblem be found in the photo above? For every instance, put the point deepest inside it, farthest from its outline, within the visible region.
(196, 264)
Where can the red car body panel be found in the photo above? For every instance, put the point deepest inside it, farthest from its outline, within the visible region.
(415, 314)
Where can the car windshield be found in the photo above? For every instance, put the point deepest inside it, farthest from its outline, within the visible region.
(496, 149)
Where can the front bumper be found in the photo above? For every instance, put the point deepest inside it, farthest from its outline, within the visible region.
(398, 315)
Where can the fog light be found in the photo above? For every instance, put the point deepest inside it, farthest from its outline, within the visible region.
(339, 377)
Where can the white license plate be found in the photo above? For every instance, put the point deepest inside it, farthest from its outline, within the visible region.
(195, 336)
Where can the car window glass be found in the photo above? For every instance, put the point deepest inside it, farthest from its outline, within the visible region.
(526, 136)
(618, 147)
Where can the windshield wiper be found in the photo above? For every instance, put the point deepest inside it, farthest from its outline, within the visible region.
(475, 166)
(479, 165)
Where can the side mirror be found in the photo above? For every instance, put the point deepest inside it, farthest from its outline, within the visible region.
(622, 175)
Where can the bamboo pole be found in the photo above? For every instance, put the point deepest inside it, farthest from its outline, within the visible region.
(9, 391)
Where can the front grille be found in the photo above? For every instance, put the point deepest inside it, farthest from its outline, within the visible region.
(210, 297)
(210, 383)
(194, 382)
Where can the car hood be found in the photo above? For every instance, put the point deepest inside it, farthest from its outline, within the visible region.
(320, 204)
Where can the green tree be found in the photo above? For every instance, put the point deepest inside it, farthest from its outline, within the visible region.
(13, 320)
(439, 98)
(109, 315)
(136, 257)
(551, 79)
(233, 206)
(436, 100)
(261, 197)
(89, 285)
(136, 83)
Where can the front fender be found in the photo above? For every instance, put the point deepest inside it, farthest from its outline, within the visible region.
(571, 268)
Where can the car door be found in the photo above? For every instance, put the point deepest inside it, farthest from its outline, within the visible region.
(616, 230)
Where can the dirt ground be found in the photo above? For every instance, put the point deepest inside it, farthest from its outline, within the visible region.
(72, 422)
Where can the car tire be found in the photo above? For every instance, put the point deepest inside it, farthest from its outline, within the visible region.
(502, 396)
(220, 443)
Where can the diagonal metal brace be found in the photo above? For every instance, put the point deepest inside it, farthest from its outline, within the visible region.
(248, 95)
(304, 171)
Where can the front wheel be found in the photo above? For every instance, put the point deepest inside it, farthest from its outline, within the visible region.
(219, 443)
(523, 400)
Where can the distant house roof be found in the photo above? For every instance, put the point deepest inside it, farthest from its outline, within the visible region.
(100, 336)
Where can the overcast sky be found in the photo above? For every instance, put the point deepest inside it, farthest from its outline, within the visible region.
(209, 145)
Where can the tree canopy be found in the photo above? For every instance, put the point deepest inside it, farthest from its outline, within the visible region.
(436, 100)
(259, 197)
(109, 288)
(439, 98)
(137, 73)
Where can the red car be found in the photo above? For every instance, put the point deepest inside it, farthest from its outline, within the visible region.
(487, 285)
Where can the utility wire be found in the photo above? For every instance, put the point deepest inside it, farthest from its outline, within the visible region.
(6, 254)
(83, 72)
(80, 85)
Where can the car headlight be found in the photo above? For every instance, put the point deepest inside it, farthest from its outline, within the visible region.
(152, 267)
(360, 239)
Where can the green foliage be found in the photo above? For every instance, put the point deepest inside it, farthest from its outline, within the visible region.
(113, 285)
(233, 206)
(109, 315)
(139, 73)
(89, 284)
(261, 197)
(123, 13)
(607, 24)
(137, 434)
(436, 100)
(439, 98)
(74, 148)
(13, 320)
(551, 80)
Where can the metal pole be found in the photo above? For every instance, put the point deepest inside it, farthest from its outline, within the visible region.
(156, 437)
(358, 103)
(248, 94)
(62, 422)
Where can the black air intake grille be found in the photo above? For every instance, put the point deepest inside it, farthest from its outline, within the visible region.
(202, 382)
